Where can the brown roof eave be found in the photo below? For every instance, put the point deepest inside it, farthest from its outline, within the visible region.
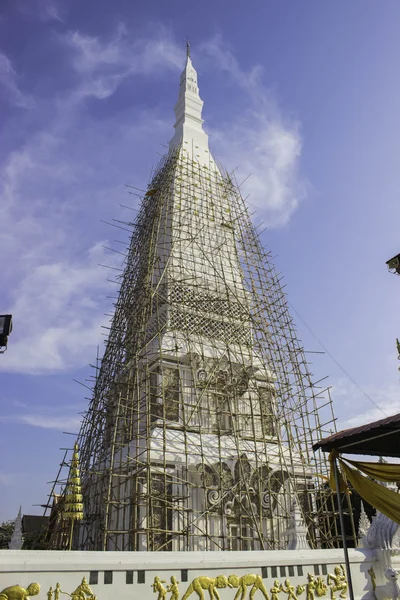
(380, 438)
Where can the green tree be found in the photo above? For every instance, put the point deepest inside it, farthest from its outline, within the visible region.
(36, 541)
(6, 531)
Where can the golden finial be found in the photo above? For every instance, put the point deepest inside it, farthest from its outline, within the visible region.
(73, 500)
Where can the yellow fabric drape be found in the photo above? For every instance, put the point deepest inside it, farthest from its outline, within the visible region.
(333, 454)
(385, 500)
(381, 471)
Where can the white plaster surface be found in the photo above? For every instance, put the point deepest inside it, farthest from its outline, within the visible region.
(68, 568)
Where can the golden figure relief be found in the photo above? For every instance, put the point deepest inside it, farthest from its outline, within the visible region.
(275, 590)
(372, 575)
(159, 588)
(310, 587)
(243, 582)
(207, 583)
(300, 589)
(320, 587)
(57, 592)
(173, 589)
(289, 589)
(314, 587)
(82, 592)
(338, 582)
(16, 592)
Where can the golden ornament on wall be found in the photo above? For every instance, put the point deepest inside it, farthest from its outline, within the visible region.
(16, 592)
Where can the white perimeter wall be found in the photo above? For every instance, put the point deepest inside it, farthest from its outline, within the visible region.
(22, 567)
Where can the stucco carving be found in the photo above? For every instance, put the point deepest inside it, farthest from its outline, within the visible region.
(392, 585)
(297, 532)
(363, 526)
(383, 534)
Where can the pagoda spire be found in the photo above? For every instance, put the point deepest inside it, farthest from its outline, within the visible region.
(73, 506)
(189, 125)
(17, 540)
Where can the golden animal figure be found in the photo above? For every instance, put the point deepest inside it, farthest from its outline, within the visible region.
(247, 580)
(338, 582)
(158, 587)
(16, 592)
(211, 584)
(173, 588)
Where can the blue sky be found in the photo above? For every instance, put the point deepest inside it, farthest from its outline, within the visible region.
(304, 96)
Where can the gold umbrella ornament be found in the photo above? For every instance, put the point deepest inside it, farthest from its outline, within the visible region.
(73, 503)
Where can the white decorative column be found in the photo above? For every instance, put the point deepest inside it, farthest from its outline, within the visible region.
(297, 532)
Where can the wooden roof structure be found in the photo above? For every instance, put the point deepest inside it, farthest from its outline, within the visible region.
(379, 438)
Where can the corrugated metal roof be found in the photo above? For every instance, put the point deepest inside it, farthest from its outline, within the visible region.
(380, 438)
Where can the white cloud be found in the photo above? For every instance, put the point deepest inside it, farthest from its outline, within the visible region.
(57, 314)
(60, 423)
(16, 403)
(44, 10)
(56, 187)
(261, 143)
(104, 64)
(49, 11)
(269, 152)
(141, 55)
(91, 53)
(224, 59)
(66, 423)
(56, 290)
(354, 408)
(9, 83)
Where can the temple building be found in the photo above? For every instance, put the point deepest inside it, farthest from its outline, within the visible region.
(199, 432)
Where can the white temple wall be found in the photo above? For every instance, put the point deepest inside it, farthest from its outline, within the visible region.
(130, 575)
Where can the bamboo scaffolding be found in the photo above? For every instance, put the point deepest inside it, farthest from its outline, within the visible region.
(199, 432)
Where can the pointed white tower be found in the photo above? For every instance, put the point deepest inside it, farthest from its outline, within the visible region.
(189, 133)
(200, 430)
(17, 540)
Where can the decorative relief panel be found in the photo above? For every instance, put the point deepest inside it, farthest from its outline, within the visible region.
(245, 491)
(222, 375)
(16, 592)
(206, 302)
(252, 583)
(165, 392)
(242, 586)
